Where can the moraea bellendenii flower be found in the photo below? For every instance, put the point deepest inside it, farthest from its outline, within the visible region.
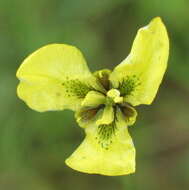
(56, 77)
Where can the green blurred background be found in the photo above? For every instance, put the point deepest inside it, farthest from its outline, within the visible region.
(33, 146)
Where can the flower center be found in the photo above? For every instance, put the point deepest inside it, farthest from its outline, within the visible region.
(114, 95)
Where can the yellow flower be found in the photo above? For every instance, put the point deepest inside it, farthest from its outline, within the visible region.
(56, 77)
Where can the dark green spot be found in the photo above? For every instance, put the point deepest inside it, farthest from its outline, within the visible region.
(128, 85)
(77, 88)
(58, 94)
(106, 133)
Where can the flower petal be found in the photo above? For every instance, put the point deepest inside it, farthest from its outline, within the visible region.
(55, 77)
(106, 150)
(107, 116)
(129, 114)
(93, 99)
(88, 116)
(138, 77)
(103, 78)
